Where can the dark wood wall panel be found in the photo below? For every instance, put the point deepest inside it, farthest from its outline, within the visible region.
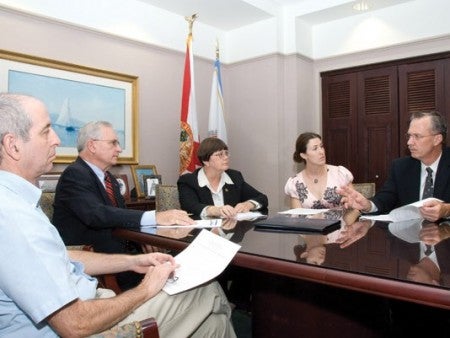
(338, 149)
(377, 123)
(381, 149)
(421, 87)
(340, 122)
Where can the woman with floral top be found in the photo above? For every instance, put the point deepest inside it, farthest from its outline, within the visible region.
(315, 186)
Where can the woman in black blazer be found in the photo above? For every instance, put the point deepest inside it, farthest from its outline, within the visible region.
(215, 190)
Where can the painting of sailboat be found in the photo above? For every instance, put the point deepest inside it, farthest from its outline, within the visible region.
(72, 99)
(65, 118)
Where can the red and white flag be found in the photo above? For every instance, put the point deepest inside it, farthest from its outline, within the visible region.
(189, 135)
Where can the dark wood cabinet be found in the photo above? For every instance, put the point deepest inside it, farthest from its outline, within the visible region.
(141, 203)
(421, 87)
(377, 124)
(339, 104)
(366, 110)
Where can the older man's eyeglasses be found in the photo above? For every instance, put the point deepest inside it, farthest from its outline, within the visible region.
(417, 137)
(114, 143)
(222, 154)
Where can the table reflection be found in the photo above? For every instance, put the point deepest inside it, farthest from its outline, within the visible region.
(423, 251)
(312, 248)
(386, 250)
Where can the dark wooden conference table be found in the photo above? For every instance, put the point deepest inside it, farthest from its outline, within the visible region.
(365, 279)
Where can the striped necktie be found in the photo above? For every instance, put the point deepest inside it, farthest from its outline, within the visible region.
(109, 188)
(428, 249)
(428, 188)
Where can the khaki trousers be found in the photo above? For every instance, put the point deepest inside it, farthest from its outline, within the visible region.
(200, 312)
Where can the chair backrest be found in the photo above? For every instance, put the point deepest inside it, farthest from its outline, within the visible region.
(46, 203)
(166, 197)
(366, 189)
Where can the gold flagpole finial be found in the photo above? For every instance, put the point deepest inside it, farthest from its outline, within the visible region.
(190, 20)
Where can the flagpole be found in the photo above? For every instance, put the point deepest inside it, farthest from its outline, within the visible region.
(189, 135)
(216, 123)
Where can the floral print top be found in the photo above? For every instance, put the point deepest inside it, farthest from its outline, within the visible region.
(337, 176)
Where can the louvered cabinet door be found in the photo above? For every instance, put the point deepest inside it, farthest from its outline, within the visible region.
(378, 122)
(421, 87)
(339, 119)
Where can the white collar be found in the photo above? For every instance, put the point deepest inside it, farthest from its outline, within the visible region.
(433, 165)
(203, 180)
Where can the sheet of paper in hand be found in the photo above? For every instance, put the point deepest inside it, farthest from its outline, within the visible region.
(204, 259)
(404, 213)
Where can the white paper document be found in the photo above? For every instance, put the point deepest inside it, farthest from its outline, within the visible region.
(205, 258)
(303, 211)
(203, 223)
(404, 213)
(251, 215)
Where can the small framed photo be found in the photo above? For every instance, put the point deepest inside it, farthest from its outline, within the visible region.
(47, 182)
(150, 183)
(123, 184)
(138, 172)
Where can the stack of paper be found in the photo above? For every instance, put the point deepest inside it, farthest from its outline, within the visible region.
(303, 211)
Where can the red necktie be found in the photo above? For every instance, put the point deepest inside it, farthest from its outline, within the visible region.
(109, 189)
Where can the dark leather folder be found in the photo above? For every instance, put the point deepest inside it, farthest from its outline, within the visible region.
(297, 224)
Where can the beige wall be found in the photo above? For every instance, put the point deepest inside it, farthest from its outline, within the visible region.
(269, 100)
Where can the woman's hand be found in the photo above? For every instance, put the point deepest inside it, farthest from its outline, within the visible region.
(244, 206)
(225, 211)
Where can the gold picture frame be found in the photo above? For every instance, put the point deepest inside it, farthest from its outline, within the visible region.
(75, 95)
(138, 172)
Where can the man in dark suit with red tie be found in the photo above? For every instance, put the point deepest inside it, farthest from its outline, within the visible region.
(88, 204)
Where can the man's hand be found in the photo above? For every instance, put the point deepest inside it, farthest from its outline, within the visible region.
(141, 263)
(353, 199)
(433, 210)
(156, 277)
(351, 233)
(430, 234)
(170, 217)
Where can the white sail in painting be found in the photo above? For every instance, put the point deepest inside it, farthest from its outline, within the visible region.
(65, 119)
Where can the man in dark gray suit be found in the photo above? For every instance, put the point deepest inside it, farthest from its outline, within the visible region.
(407, 179)
(84, 212)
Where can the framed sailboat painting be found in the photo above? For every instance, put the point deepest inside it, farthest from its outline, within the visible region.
(75, 95)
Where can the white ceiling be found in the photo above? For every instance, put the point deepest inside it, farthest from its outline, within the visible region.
(316, 29)
(227, 15)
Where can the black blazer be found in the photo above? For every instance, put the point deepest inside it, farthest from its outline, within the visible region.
(83, 213)
(403, 184)
(194, 199)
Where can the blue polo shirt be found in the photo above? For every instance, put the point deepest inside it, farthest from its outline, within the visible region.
(36, 275)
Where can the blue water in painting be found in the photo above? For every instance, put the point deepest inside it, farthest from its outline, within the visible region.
(68, 134)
